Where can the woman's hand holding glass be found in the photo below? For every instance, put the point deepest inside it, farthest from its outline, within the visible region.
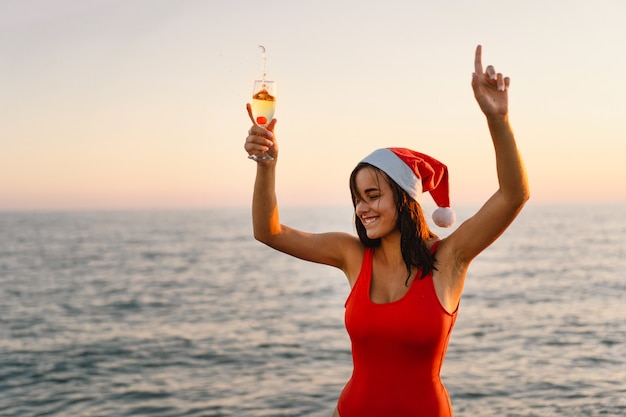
(261, 111)
(261, 140)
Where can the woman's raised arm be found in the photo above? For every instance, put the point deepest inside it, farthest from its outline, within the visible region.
(326, 248)
(478, 232)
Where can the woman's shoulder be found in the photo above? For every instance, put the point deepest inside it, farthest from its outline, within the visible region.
(354, 254)
(346, 240)
(354, 248)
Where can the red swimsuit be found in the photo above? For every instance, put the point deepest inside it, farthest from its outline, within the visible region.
(397, 351)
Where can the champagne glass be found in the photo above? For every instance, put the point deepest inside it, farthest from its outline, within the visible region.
(263, 106)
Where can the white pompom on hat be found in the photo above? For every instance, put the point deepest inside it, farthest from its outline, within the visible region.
(417, 173)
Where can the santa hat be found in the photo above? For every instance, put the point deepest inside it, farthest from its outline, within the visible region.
(417, 173)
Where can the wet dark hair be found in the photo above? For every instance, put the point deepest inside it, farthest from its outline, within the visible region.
(414, 230)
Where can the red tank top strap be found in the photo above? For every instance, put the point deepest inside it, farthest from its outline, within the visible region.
(435, 245)
(365, 274)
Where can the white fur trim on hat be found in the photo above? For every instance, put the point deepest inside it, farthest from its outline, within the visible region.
(400, 172)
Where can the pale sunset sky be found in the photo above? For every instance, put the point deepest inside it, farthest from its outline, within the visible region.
(140, 104)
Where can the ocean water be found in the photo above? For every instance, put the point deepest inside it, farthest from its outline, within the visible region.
(182, 313)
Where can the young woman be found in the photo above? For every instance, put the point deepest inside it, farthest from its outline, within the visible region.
(406, 283)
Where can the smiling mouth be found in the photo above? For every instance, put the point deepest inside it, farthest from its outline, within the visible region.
(368, 220)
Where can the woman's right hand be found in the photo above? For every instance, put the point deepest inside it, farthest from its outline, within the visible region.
(490, 88)
(261, 139)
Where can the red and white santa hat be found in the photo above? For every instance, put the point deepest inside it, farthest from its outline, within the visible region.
(417, 173)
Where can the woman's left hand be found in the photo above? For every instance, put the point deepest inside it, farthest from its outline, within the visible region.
(490, 88)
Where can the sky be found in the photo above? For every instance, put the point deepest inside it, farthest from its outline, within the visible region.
(140, 104)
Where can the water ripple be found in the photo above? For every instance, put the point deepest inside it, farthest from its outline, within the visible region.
(183, 314)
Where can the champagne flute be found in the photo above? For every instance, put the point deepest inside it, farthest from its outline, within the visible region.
(263, 106)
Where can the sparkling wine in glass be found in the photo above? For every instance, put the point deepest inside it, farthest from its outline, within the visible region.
(263, 101)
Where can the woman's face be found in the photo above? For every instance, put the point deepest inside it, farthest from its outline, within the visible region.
(374, 203)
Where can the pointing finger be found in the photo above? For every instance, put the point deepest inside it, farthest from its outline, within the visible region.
(478, 63)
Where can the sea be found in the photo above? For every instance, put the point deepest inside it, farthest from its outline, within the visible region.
(183, 313)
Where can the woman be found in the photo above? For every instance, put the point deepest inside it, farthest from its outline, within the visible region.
(406, 283)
